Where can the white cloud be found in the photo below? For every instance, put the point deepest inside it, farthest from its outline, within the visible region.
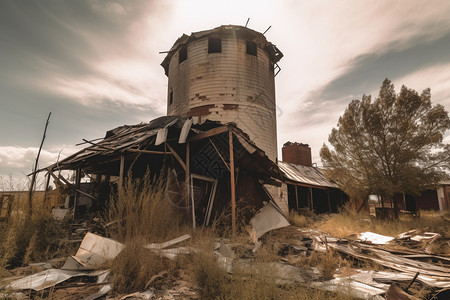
(322, 37)
(435, 77)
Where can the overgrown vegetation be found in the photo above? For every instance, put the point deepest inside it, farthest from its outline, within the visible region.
(35, 239)
(349, 222)
(143, 216)
(215, 283)
(141, 211)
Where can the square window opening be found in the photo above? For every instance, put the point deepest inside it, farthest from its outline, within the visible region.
(182, 55)
(214, 45)
(251, 48)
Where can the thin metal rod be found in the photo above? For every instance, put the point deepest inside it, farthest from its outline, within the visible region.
(248, 20)
(267, 29)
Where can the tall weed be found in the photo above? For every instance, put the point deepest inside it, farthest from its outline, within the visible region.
(141, 209)
(29, 239)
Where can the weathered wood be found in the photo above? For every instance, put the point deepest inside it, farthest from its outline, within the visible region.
(97, 145)
(221, 157)
(209, 133)
(233, 189)
(176, 156)
(148, 151)
(77, 193)
(33, 178)
(63, 180)
(47, 183)
(122, 167)
(188, 174)
(296, 195)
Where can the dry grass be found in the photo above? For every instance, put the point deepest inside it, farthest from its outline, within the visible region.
(143, 212)
(136, 265)
(32, 239)
(299, 220)
(143, 216)
(215, 283)
(348, 222)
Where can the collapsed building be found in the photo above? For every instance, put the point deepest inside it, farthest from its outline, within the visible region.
(217, 146)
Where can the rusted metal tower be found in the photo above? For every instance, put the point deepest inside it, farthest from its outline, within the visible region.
(226, 74)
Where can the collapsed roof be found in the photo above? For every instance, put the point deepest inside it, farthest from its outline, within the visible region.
(156, 137)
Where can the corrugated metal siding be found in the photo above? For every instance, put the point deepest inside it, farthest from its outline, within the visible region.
(305, 175)
(230, 77)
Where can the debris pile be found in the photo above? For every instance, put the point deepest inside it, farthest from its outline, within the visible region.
(396, 271)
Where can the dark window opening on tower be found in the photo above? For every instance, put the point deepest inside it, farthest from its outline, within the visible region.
(251, 48)
(182, 55)
(214, 45)
(171, 97)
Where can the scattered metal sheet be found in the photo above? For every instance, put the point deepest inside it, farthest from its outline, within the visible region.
(374, 238)
(45, 279)
(94, 251)
(417, 235)
(168, 243)
(225, 256)
(267, 219)
(173, 253)
(347, 285)
(430, 274)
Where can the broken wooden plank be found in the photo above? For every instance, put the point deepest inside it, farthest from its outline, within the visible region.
(209, 133)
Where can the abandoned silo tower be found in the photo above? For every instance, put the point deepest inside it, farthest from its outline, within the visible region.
(226, 74)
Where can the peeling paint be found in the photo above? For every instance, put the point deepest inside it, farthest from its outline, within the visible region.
(201, 110)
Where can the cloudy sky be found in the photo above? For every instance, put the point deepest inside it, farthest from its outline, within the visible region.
(95, 64)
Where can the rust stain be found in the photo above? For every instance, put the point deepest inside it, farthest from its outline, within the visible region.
(200, 110)
(230, 106)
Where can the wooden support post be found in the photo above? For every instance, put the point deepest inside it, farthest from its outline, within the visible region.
(220, 155)
(47, 183)
(233, 190)
(183, 165)
(122, 167)
(77, 194)
(296, 195)
(311, 199)
(188, 186)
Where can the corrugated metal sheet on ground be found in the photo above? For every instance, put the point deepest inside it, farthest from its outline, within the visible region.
(305, 174)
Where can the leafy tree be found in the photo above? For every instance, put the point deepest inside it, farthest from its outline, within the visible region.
(390, 145)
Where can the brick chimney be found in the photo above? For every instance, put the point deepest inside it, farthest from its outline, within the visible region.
(297, 153)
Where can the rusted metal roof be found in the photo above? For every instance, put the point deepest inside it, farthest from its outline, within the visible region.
(305, 175)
